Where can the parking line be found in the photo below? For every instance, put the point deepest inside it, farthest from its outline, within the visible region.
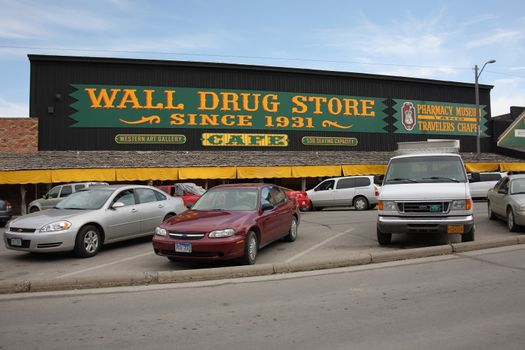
(104, 265)
(318, 245)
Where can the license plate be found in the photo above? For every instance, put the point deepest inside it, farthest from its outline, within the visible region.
(16, 242)
(182, 247)
(456, 229)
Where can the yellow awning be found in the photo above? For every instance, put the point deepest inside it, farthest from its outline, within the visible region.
(512, 166)
(263, 172)
(479, 167)
(207, 173)
(79, 175)
(316, 171)
(364, 169)
(145, 174)
(16, 177)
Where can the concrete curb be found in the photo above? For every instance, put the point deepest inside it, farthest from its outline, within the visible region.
(164, 277)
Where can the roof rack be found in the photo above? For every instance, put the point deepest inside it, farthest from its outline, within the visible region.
(428, 146)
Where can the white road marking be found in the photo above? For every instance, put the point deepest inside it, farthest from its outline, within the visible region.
(318, 245)
(103, 265)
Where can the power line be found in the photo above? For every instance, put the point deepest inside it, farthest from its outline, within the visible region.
(234, 56)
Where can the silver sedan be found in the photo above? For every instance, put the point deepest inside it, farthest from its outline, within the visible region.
(507, 201)
(86, 220)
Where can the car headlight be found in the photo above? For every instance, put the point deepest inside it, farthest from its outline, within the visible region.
(463, 204)
(387, 205)
(222, 233)
(159, 231)
(522, 207)
(56, 226)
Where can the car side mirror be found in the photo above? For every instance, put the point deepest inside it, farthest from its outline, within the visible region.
(117, 205)
(44, 196)
(266, 206)
(502, 191)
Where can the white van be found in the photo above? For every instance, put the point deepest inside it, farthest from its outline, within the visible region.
(359, 192)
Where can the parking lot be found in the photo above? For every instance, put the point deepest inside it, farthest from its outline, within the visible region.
(322, 234)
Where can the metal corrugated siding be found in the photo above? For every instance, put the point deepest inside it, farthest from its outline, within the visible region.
(51, 76)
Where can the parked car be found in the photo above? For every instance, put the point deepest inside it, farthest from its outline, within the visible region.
(188, 191)
(357, 191)
(481, 183)
(5, 212)
(301, 197)
(87, 219)
(228, 222)
(58, 193)
(506, 200)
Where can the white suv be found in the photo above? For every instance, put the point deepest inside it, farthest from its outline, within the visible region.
(57, 193)
(359, 192)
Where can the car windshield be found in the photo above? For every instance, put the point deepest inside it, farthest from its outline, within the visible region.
(235, 199)
(425, 169)
(86, 200)
(517, 186)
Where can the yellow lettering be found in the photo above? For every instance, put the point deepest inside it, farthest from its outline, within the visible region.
(96, 100)
(129, 97)
(300, 105)
(203, 106)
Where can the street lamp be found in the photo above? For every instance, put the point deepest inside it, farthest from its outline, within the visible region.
(478, 114)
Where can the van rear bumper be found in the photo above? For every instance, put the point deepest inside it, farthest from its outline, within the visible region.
(449, 224)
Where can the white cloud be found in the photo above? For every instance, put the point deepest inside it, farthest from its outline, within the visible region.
(13, 109)
(500, 37)
(506, 93)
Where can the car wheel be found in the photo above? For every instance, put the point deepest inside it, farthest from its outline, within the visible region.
(383, 238)
(491, 214)
(169, 215)
(511, 223)
(88, 242)
(250, 249)
(292, 233)
(360, 203)
(469, 236)
(33, 209)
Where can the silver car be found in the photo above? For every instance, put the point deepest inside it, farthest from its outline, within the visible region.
(87, 219)
(507, 200)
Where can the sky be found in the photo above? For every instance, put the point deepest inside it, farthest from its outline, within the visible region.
(440, 40)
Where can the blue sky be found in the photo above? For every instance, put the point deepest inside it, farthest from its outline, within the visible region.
(440, 40)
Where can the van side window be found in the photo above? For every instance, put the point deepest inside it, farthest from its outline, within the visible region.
(346, 183)
(326, 185)
(53, 193)
(66, 191)
(362, 182)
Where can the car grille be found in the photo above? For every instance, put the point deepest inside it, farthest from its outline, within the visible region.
(187, 236)
(21, 230)
(423, 207)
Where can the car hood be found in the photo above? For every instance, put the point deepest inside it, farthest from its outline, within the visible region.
(424, 191)
(44, 217)
(207, 220)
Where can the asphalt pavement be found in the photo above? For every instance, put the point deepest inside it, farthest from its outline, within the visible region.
(327, 239)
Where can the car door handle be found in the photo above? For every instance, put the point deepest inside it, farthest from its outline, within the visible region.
(161, 205)
(134, 210)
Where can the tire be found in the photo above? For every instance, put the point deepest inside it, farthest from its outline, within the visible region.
(317, 208)
(169, 215)
(469, 236)
(88, 242)
(33, 209)
(250, 249)
(292, 233)
(360, 203)
(511, 222)
(384, 238)
(491, 214)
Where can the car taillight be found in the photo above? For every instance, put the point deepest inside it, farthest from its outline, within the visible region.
(8, 205)
(376, 191)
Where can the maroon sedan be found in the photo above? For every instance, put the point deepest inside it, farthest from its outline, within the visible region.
(227, 222)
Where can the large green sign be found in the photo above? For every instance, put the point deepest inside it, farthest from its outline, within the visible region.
(514, 136)
(425, 117)
(102, 106)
